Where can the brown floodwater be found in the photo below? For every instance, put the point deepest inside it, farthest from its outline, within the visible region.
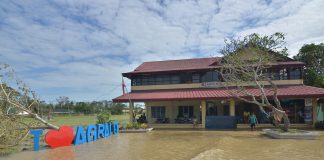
(184, 145)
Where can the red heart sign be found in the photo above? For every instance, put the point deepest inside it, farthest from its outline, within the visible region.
(58, 138)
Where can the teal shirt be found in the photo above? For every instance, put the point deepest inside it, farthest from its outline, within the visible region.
(252, 119)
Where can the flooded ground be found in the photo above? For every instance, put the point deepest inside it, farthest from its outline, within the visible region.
(184, 145)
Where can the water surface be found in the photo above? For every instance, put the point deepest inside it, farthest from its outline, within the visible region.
(184, 145)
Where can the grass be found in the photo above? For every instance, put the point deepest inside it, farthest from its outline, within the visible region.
(74, 120)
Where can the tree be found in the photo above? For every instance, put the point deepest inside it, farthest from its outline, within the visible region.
(313, 57)
(64, 102)
(138, 109)
(15, 95)
(245, 66)
(117, 108)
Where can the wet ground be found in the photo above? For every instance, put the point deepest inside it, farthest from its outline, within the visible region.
(184, 145)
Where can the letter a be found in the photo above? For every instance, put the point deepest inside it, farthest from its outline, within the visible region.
(80, 136)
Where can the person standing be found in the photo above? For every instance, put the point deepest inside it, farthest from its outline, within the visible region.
(253, 121)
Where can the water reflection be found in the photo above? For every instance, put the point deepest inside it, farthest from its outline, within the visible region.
(183, 145)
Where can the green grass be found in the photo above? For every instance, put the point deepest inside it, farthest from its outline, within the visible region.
(85, 120)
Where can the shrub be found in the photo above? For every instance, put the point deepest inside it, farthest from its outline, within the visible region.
(144, 125)
(103, 117)
(136, 126)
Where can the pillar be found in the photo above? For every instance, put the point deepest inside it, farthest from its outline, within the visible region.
(203, 113)
(232, 107)
(314, 106)
(131, 112)
(146, 110)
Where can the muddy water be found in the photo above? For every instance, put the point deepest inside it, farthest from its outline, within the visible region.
(184, 145)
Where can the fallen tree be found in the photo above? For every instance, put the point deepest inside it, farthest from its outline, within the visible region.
(17, 102)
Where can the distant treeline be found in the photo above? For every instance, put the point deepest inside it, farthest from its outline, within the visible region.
(65, 106)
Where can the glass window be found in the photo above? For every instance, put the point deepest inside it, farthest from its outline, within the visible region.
(294, 73)
(151, 80)
(137, 81)
(145, 80)
(186, 78)
(211, 109)
(158, 80)
(195, 78)
(185, 111)
(175, 79)
(275, 75)
(210, 76)
(283, 74)
(158, 111)
(165, 79)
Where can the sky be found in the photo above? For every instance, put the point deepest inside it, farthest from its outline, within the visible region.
(79, 48)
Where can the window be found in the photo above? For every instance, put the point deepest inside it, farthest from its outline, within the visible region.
(275, 75)
(210, 76)
(195, 78)
(280, 74)
(137, 81)
(158, 112)
(145, 80)
(158, 80)
(175, 79)
(151, 80)
(294, 73)
(186, 77)
(165, 79)
(211, 109)
(185, 111)
(226, 111)
(283, 74)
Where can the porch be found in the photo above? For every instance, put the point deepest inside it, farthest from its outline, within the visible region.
(188, 114)
(216, 108)
(225, 114)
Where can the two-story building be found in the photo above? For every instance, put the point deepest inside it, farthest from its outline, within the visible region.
(187, 93)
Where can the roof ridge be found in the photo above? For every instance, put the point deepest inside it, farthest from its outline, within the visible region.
(182, 59)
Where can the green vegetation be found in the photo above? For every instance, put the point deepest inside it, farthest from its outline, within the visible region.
(136, 126)
(104, 117)
(313, 57)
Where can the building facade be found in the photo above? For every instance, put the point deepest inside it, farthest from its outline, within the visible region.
(188, 93)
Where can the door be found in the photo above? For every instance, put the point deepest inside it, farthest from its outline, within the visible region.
(214, 120)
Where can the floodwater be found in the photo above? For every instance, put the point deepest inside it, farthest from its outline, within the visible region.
(184, 145)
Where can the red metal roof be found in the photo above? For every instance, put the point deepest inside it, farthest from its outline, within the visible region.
(289, 91)
(189, 64)
(176, 65)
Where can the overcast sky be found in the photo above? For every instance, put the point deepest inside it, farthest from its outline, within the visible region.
(79, 48)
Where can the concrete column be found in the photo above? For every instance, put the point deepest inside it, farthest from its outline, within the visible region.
(131, 112)
(203, 113)
(146, 110)
(314, 106)
(232, 107)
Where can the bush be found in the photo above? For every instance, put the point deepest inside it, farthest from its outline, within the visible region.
(103, 117)
(136, 126)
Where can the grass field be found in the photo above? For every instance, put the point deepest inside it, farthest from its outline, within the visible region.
(74, 120)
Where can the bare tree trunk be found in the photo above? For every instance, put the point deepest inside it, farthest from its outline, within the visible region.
(26, 109)
(286, 122)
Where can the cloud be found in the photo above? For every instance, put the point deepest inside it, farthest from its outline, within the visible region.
(79, 48)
